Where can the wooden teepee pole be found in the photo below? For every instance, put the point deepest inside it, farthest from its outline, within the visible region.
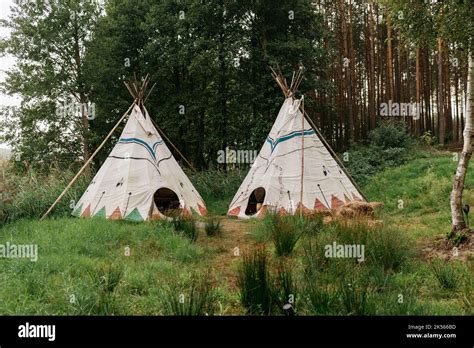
(174, 147)
(302, 159)
(87, 163)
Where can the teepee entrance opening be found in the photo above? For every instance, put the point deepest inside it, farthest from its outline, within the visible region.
(255, 201)
(167, 202)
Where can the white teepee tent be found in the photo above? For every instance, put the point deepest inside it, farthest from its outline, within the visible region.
(140, 179)
(286, 179)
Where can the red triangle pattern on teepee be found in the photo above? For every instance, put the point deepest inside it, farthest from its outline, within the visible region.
(234, 212)
(87, 212)
(336, 202)
(116, 215)
(319, 206)
(202, 209)
(282, 212)
(356, 197)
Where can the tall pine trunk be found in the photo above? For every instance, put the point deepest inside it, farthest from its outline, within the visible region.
(441, 116)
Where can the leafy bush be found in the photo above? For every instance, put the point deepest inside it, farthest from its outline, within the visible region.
(389, 145)
(391, 135)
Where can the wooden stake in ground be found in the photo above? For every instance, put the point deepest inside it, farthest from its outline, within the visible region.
(458, 222)
(87, 163)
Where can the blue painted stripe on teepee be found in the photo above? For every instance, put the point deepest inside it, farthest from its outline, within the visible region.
(139, 142)
(274, 143)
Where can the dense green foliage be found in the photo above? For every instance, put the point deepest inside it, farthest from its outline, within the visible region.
(210, 62)
(388, 146)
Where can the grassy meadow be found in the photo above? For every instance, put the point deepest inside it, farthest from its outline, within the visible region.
(221, 266)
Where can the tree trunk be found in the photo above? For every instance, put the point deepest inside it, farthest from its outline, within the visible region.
(389, 61)
(372, 86)
(441, 118)
(347, 73)
(417, 87)
(458, 223)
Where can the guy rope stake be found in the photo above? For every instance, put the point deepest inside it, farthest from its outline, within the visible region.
(87, 163)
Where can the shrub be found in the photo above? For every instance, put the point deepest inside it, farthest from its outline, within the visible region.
(213, 228)
(186, 228)
(389, 145)
(198, 298)
(254, 281)
(390, 135)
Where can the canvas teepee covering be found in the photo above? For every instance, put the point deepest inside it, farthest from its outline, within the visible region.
(288, 180)
(140, 179)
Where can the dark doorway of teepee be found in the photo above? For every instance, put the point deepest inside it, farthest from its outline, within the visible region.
(167, 202)
(255, 201)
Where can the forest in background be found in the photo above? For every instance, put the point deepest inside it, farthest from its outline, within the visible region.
(211, 63)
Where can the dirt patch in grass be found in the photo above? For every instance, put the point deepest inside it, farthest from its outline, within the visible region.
(440, 247)
(234, 240)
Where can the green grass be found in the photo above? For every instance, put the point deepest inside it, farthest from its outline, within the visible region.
(416, 194)
(105, 267)
(99, 267)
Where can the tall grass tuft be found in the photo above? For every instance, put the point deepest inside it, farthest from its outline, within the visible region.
(186, 228)
(322, 298)
(355, 295)
(446, 274)
(213, 228)
(254, 281)
(284, 289)
(385, 247)
(195, 299)
(100, 299)
(283, 232)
